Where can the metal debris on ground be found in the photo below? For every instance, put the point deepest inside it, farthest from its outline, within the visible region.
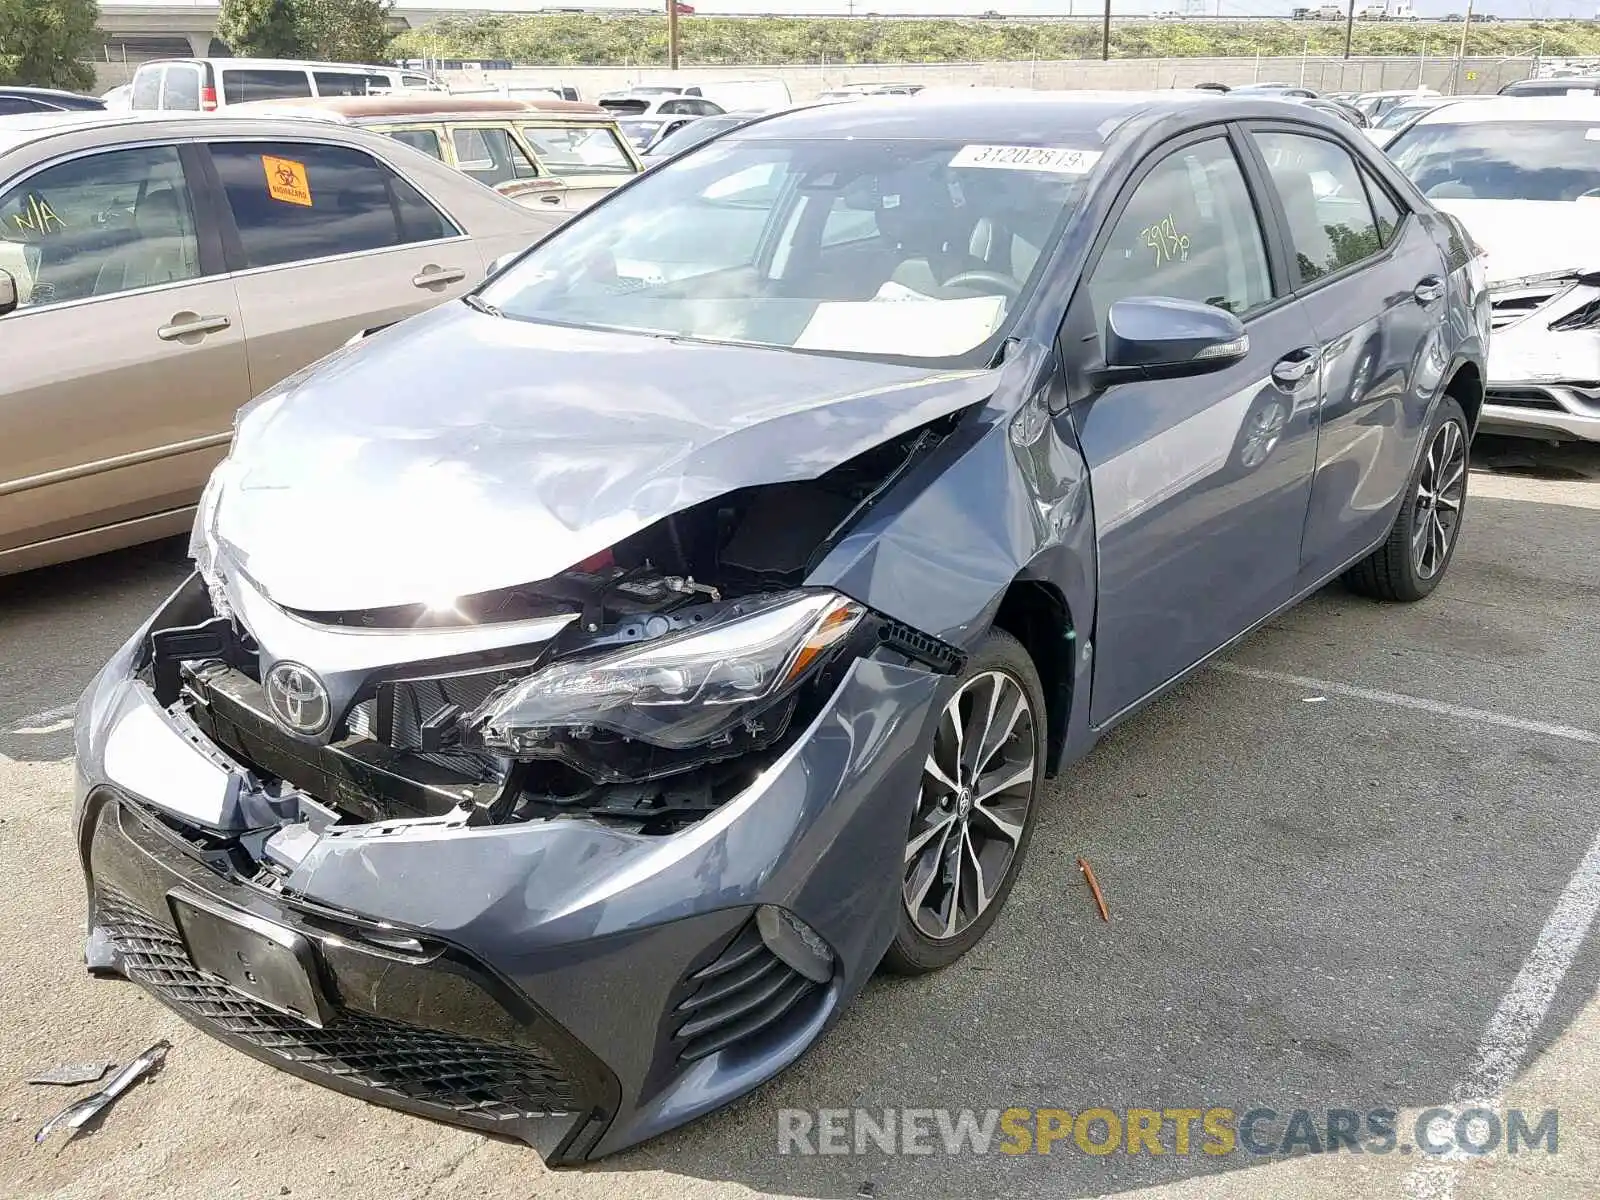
(72, 1074)
(83, 1114)
(1313, 699)
(1094, 886)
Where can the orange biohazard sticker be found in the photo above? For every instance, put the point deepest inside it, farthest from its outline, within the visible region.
(286, 180)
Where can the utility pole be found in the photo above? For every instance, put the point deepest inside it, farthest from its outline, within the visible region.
(672, 34)
(1349, 27)
(1105, 34)
(1461, 52)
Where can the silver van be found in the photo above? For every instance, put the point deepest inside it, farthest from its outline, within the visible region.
(209, 84)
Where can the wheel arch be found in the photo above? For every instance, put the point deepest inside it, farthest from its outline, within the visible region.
(1466, 388)
(1036, 613)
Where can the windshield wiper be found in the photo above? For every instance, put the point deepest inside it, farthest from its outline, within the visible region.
(474, 301)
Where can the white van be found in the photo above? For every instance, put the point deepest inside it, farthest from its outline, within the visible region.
(209, 84)
(757, 95)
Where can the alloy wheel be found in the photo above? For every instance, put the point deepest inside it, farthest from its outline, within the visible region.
(1436, 511)
(1262, 434)
(977, 784)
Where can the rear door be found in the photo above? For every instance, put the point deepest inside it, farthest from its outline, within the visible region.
(125, 360)
(327, 241)
(1372, 280)
(589, 160)
(1199, 484)
(495, 157)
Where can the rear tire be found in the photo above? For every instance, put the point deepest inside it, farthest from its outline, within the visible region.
(975, 809)
(1410, 564)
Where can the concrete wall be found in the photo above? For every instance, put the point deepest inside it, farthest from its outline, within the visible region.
(1326, 75)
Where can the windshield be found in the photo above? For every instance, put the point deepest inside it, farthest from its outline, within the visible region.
(1514, 160)
(1401, 115)
(916, 250)
(693, 134)
(638, 132)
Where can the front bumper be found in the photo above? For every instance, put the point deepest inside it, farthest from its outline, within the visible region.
(560, 981)
(1561, 410)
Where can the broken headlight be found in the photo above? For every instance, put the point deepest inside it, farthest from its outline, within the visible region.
(679, 691)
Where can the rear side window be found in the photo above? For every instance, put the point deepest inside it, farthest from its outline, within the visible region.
(239, 86)
(182, 89)
(294, 201)
(341, 83)
(1384, 208)
(425, 140)
(15, 104)
(416, 81)
(1331, 223)
(146, 88)
(490, 156)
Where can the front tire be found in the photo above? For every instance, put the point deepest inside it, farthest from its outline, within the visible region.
(1410, 564)
(975, 809)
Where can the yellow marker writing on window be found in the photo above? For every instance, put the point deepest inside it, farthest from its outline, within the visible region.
(286, 180)
(1163, 237)
(39, 217)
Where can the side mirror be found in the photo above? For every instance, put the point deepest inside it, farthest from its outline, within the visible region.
(501, 263)
(1157, 337)
(8, 293)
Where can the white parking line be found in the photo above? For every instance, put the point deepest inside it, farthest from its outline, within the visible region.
(1527, 1001)
(51, 720)
(1479, 716)
(1522, 1010)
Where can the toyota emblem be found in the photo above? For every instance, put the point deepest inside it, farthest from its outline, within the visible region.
(297, 698)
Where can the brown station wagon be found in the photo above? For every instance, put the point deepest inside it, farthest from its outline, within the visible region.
(157, 271)
(556, 154)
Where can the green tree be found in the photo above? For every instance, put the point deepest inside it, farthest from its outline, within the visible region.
(348, 30)
(262, 28)
(44, 43)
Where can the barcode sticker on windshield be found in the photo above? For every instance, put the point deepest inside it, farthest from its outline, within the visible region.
(1028, 158)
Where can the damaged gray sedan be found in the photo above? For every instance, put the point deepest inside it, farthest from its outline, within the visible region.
(586, 686)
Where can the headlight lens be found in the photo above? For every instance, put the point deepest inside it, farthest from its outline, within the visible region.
(678, 691)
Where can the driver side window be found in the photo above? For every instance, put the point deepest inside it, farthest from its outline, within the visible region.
(1190, 232)
(99, 225)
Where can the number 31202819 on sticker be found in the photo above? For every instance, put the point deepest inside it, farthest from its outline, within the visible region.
(1055, 159)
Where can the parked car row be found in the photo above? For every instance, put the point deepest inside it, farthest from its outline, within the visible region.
(593, 680)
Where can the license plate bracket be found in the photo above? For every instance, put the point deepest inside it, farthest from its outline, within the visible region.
(260, 959)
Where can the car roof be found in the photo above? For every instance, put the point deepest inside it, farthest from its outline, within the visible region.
(1004, 116)
(1518, 109)
(267, 64)
(42, 93)
(427, 104)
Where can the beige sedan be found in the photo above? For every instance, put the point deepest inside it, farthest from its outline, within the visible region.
(158, 271)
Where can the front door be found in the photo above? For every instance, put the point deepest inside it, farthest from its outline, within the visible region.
(328, 241)
(125, 358)
(1199, 484)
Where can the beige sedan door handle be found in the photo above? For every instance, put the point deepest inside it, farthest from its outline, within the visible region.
(437, 276)
(550, 198)
(188, 325)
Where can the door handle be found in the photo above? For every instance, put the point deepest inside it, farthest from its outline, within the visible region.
(1294, 368)
(184, 325)
(550, 198)
(1429, 288)
(437, 276)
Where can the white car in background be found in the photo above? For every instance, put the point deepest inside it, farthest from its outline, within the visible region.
(1523, 176)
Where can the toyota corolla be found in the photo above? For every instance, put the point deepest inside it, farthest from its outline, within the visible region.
(587, 685)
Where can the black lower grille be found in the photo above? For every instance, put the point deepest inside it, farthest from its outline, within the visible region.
(1523, 398)
(474, 1078)
(747, 989)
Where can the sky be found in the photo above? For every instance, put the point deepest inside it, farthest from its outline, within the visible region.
(1032, 8)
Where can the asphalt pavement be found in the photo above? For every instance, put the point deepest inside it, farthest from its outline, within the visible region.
(1354, 866)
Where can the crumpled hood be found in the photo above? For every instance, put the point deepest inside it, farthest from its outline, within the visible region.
(463, 452)
(1531, 237)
